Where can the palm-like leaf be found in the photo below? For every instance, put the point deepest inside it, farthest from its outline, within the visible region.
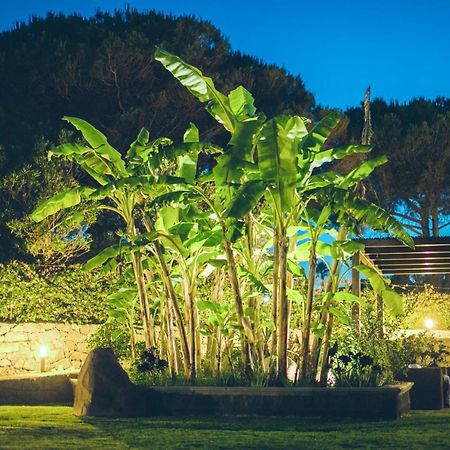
(277, 158)
(366, 213)
(99, 143)
(246, 198)
(317, 137)
(58, 202)
(200, 86)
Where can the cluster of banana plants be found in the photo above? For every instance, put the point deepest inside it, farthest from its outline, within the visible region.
(224, 255)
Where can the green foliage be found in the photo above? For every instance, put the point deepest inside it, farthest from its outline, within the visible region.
(57, 241)
(355, 370)
(427, 304)
(226, 377)
(423, 349)
(70, 295)
(385, 341)
(113, 335)
(148, 368)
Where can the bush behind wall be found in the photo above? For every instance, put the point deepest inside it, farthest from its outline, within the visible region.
(70, 295)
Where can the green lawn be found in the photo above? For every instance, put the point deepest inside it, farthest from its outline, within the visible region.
(28, 427)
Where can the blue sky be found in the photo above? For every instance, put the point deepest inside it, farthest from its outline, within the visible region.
(400, 47)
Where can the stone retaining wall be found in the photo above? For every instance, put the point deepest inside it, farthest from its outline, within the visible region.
(20, 344)
(41, 389)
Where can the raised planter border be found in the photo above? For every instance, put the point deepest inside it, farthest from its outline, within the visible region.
(386, 402)
(37, 389)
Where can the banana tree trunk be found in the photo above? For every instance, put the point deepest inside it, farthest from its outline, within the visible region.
(170, 290)
(217, 297)
(190, 320)
(173, 361)
(242, 320)
(275, 291)
(325, 316)
(132, 337)
(306, 331)
(283, 308)
(136, 259)
(318, 342)
(325, 350)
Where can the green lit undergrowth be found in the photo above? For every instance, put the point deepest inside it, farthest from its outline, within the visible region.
(29, 427)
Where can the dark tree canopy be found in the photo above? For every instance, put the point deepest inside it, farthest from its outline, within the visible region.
(416, 138)
(102, 69)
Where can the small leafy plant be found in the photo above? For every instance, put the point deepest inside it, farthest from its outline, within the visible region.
(148, 367)
(149, 361)
(354, 370)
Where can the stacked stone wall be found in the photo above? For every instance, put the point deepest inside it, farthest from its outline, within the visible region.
(21, 343)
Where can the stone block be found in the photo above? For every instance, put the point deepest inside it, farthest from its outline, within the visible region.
(65, 363)
(31, 328)
(49, 337)
(16, 336)
(19, 363)
(78, 356)
(9, 348)
(5, 328)
(104, 389)
(427, 390)
(31, 365)
(36, 390)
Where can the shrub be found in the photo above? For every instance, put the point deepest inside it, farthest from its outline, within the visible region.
(428, 303)
(148, 367)
(106, 337)
(70, 295)
(386, 342)
(355, 370)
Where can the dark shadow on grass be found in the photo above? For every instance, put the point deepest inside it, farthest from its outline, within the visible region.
(233, 432)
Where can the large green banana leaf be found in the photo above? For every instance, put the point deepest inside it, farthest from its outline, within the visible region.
(200, 86)
(98, 142)
(277, 158)
(246, 198)
(58, 202)
(332, 154)
(362, 172)
(366, 213)
(316, 138)
(392, 299)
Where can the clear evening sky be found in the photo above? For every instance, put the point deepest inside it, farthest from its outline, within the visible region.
(400, 47)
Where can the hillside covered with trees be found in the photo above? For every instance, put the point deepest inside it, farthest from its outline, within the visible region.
(102, 69)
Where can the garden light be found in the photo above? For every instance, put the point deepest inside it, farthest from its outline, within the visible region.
(43, 353)
(429, 323)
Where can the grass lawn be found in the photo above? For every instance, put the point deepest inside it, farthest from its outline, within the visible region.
(30, 427)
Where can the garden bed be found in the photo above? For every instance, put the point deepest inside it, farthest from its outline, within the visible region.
(104, 389)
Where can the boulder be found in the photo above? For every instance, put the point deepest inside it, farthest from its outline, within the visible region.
(104, 389)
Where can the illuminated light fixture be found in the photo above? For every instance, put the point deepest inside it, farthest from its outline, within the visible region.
(429, 323)
(43, 353)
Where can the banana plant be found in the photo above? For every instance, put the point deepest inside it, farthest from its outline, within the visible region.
(121, 308)
(121, 185)
(277, 159)
(194, 245)
(237, 114)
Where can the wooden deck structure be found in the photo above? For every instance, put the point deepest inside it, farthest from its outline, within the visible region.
(431, 256)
